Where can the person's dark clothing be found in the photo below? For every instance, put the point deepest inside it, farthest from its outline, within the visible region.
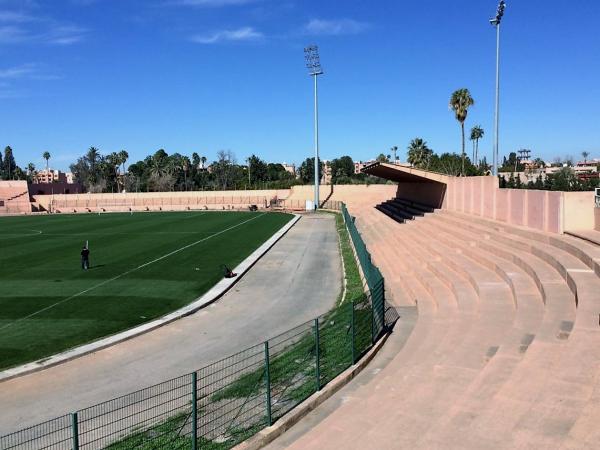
(85, 259)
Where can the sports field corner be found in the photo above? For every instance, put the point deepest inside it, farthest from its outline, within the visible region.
(134, 278)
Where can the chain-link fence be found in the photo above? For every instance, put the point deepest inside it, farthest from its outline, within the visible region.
(228, 401)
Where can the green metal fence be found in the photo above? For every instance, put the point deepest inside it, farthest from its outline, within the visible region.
(228, 401)
(373, 277)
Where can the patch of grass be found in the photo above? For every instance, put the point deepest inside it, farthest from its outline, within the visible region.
(48, 304)
(354, 285)
(166, 435)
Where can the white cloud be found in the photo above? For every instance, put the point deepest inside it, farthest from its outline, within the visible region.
(64, 35)
(52, 34)
(22, 21)
(15, 17)
(17, 71)
(334, 27)
(239, 35)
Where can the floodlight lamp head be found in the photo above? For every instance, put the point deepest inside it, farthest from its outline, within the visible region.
(313, 61)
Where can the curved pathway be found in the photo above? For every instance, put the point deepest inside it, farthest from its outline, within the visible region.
(297, 280)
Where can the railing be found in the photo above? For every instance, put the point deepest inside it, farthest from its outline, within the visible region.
(300, 205)
(597, 200)
(223, 404)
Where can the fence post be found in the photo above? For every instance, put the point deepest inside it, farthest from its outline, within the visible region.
(268, 383)
(353, 337)
(317, 356)
(194, 411)
(372, 317)
(75, 430)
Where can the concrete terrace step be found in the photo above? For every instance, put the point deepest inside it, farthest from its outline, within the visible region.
(447, 368)
(591, 236)
(413, 210)
(559, 302)
(394, 213)
(416, 205)
(526, 297)
(574, 263)
(431, 328)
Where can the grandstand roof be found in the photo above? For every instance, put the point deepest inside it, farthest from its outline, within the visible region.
(399, 173)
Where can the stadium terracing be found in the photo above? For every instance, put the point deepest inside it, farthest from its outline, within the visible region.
(505, 352)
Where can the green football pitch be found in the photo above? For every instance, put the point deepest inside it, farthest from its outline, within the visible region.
(143, 266)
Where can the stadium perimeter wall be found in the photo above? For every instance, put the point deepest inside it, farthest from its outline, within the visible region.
(156, 200)
(550, 211)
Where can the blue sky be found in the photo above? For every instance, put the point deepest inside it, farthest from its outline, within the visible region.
(205, 75)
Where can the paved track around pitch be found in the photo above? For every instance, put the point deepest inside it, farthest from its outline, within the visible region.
(298, 279)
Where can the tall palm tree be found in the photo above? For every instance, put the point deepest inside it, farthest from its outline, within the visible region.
(92, 156)
(46, 156)
(585, 155)
(123, 156)
(114, 162)
(460, 101)
(203, 159)
(476, 133)
(394, 150)
(185, 166)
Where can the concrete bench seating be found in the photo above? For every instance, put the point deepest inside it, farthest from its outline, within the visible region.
(576, 262)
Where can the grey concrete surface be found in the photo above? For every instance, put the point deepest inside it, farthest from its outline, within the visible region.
(298, 279)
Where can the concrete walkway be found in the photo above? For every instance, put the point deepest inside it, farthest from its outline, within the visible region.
(298, 279)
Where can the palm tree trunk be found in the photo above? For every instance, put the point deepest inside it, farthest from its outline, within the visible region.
(462, 127)
(477, 151)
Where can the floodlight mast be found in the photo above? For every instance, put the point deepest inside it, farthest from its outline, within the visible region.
(313, 64)
(496, 23)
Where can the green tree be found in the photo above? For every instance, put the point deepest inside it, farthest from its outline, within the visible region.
(460, 101)
(382, 158)
(9, 163)
(342, 168)
(46, 156)
(307, 170)
(258, 170)
(30, 172)
(419, 154)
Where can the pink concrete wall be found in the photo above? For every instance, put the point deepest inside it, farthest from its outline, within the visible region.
(481, 196)
(536, 207)
(597, 218)
(579, 210)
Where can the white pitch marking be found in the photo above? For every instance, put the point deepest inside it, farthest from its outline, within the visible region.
(130, 271)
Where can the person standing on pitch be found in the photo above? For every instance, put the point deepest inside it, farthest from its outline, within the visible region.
(85, 258)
